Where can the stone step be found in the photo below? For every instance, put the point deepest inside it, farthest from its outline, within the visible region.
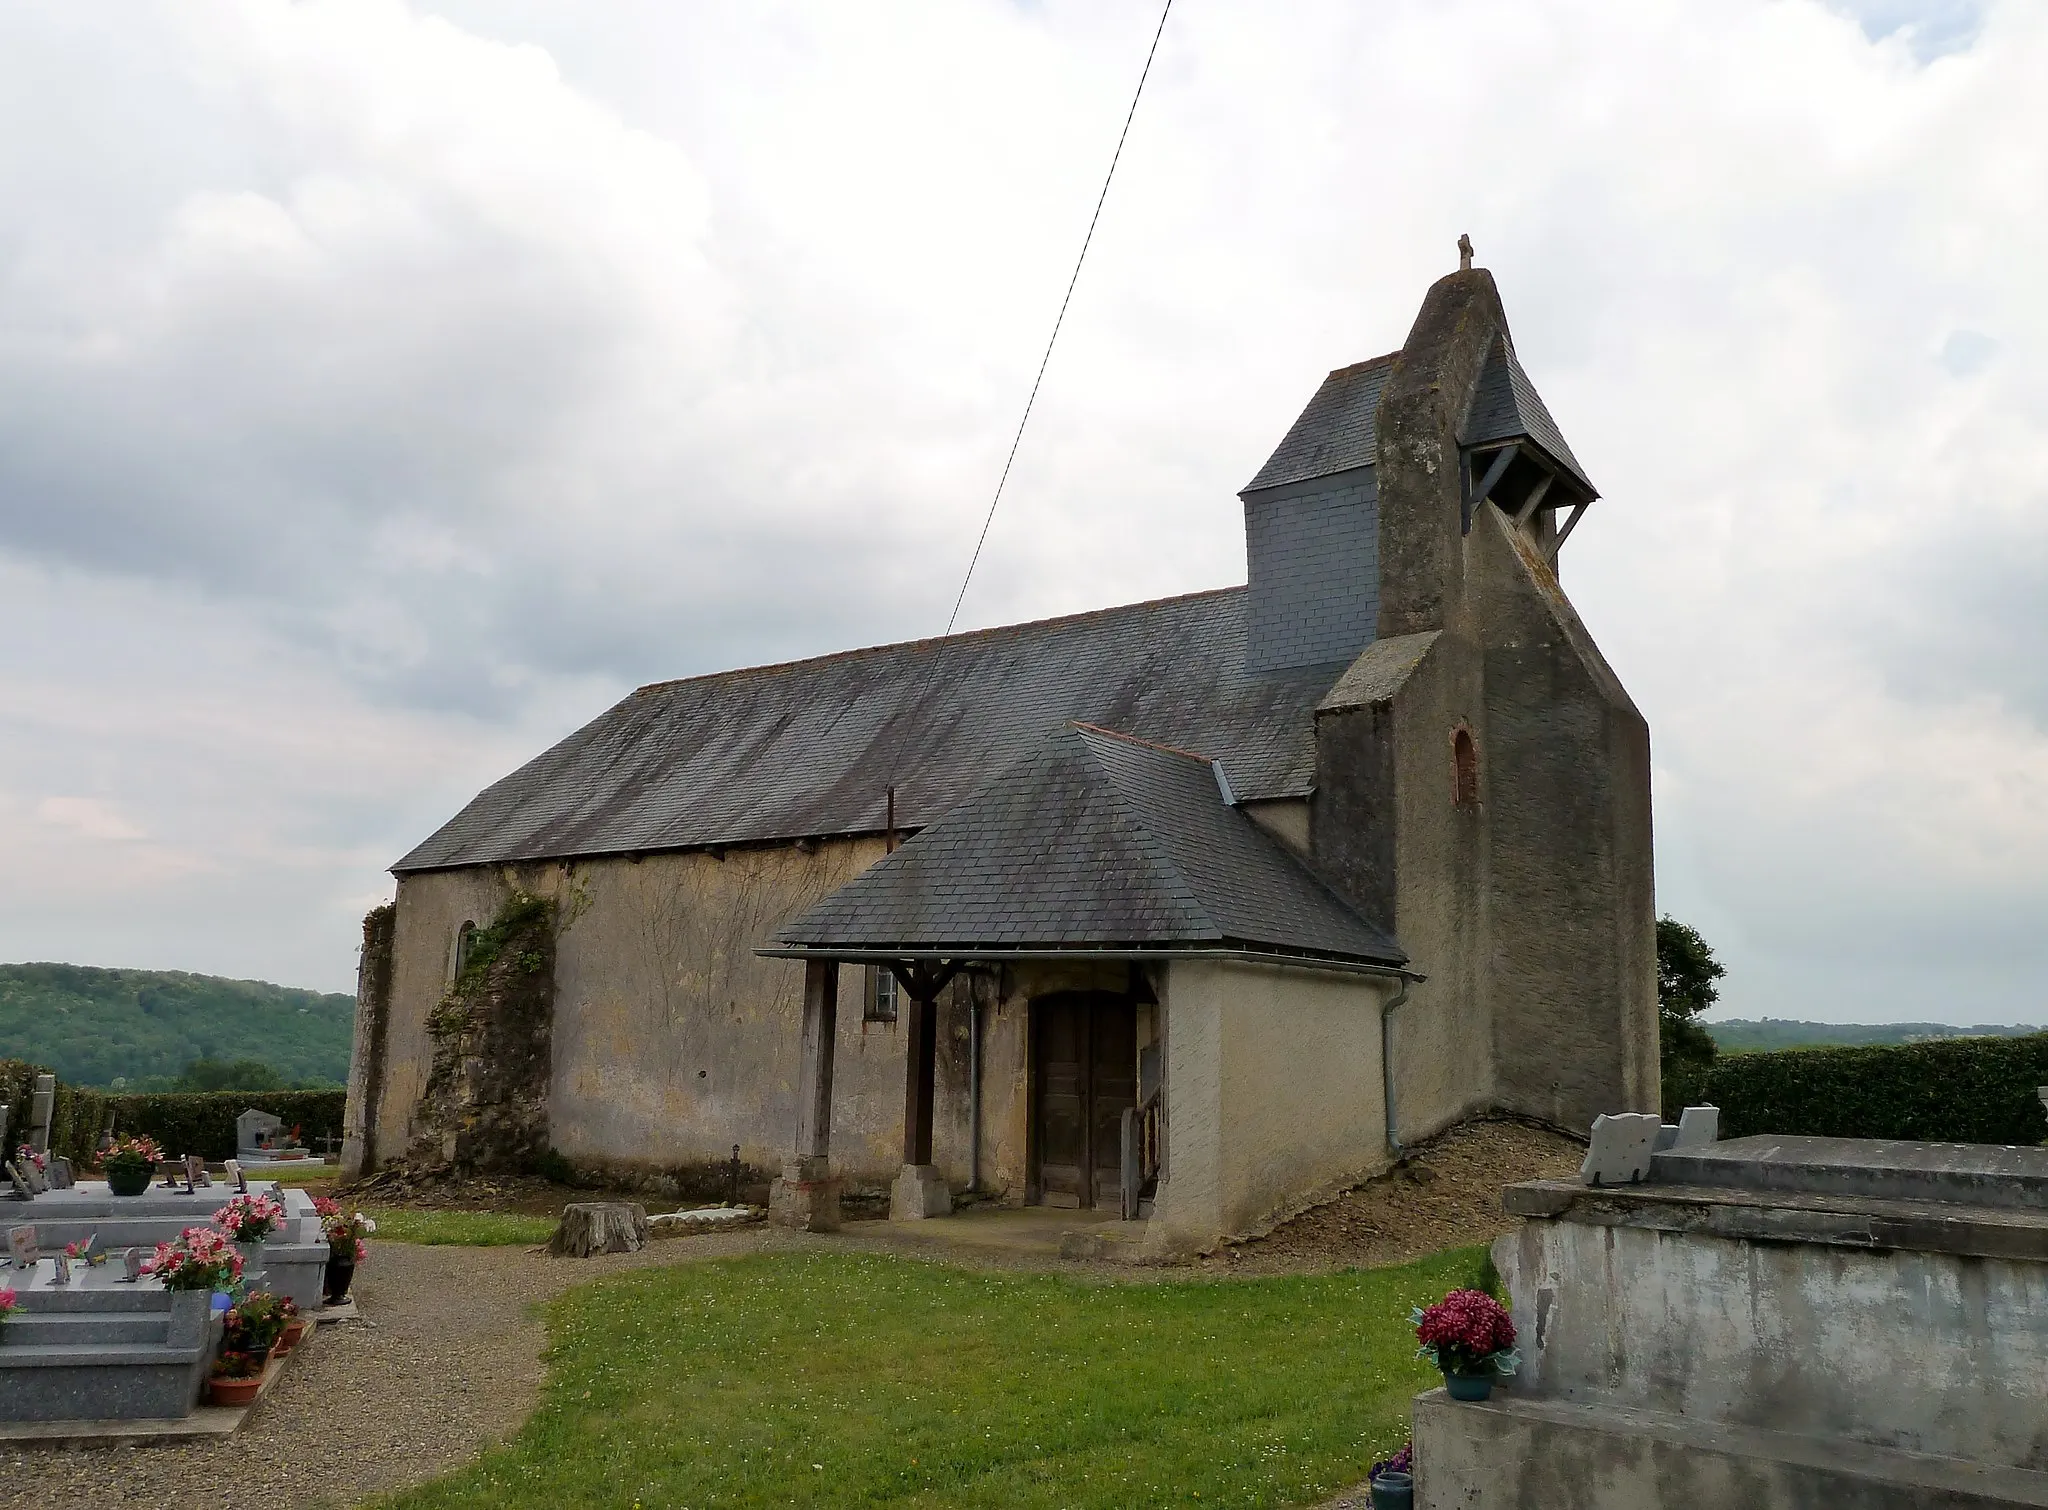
(92, 1295)
(1514, 1451)
(94, 1355)
(1970, 1174)
(82, 1328)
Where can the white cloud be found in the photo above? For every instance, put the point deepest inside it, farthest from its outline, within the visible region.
(382, 388)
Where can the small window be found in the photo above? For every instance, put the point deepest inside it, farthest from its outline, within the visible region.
(465, 940)
(1464, 768)
(879, 1003)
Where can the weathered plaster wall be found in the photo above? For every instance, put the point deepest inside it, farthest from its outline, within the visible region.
(1922, 1352)
(1273, 1096)
(1286, 819)
(673, 1041)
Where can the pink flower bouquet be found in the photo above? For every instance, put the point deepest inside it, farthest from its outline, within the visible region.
(199, 1258)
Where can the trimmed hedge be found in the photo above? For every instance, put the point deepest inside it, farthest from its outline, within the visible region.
(1957, 1090)
(201, 1122)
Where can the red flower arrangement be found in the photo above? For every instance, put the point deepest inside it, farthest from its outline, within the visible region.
(1467, 1332)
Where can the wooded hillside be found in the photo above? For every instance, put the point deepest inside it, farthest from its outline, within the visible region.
(92, 1025)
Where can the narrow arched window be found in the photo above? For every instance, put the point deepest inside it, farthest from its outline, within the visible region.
(465, 940)
(1464, 768)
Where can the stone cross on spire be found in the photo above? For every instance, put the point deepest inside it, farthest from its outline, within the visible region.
(1464, 254)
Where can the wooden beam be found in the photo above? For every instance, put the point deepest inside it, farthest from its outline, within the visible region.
(1578, 513)
(1535, 498)
(814, 1066)
(920, 1078)
(1501, 462)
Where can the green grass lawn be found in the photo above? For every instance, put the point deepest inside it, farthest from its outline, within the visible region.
(843, 1380)
(463, 1229)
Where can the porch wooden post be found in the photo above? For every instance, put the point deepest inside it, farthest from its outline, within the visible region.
(920, 1079)
(807, 1195)
(814, 1071)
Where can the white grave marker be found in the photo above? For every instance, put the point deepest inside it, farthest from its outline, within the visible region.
(1621, 1148)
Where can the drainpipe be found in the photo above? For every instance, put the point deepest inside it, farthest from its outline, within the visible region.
(1387, 1060)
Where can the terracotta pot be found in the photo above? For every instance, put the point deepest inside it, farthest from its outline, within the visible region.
(221, 1390)
(293, 1331)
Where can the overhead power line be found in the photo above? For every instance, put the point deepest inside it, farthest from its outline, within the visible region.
(1100, 199)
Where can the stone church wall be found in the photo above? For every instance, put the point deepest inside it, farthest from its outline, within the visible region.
(673, 1041)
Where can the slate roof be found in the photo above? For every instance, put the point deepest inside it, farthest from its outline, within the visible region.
(1094, 840)
(1508, 407)
(1339, 430)
(1336, 432)
(809, 748)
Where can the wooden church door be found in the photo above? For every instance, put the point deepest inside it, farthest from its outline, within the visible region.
(1084, 1053)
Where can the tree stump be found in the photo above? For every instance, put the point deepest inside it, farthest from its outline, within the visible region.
(589, 1227)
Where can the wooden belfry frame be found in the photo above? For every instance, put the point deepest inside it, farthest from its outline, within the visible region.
(1499, 461)
(922, 981)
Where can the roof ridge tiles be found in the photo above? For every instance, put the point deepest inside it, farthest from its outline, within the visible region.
(964, 636)
(1150, 744)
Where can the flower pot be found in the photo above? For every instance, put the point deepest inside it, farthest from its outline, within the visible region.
(293, 1331)
(341, 1272)
(1393, 1491)
(1468, 1386)
(128, 1181)
(221, 1390)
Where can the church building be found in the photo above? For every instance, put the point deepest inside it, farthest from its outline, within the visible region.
(1192, 912)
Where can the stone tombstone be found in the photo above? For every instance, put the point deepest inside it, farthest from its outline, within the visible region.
(1621, 1148)
(61, 1262)
(42, 1107)
(231, 1171)
(31, 1171)
(4, 1110)
(256, 1132)
(1698, 1126)
(195, 1172)
(62, 1177)
(22, 1247)
(131, 1263)
(19, 1181)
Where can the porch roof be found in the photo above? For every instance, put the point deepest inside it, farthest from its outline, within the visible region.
(1100, 843)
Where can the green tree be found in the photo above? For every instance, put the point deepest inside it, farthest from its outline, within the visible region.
(1686, 972)
(240, 1075)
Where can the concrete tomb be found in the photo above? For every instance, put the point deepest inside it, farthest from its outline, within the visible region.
(259, 1138)
(105, 1341)
(1859, 1324)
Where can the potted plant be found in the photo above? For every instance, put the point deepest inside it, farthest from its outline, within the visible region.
(198, 1258)
(236, 1379)
(8, 1301)
(1392, 1481)
(129, 1164)
(1470, 1336)
(255, 1323)
(345, 1246)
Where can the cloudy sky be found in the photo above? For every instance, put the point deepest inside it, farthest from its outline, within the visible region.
(385, 388)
